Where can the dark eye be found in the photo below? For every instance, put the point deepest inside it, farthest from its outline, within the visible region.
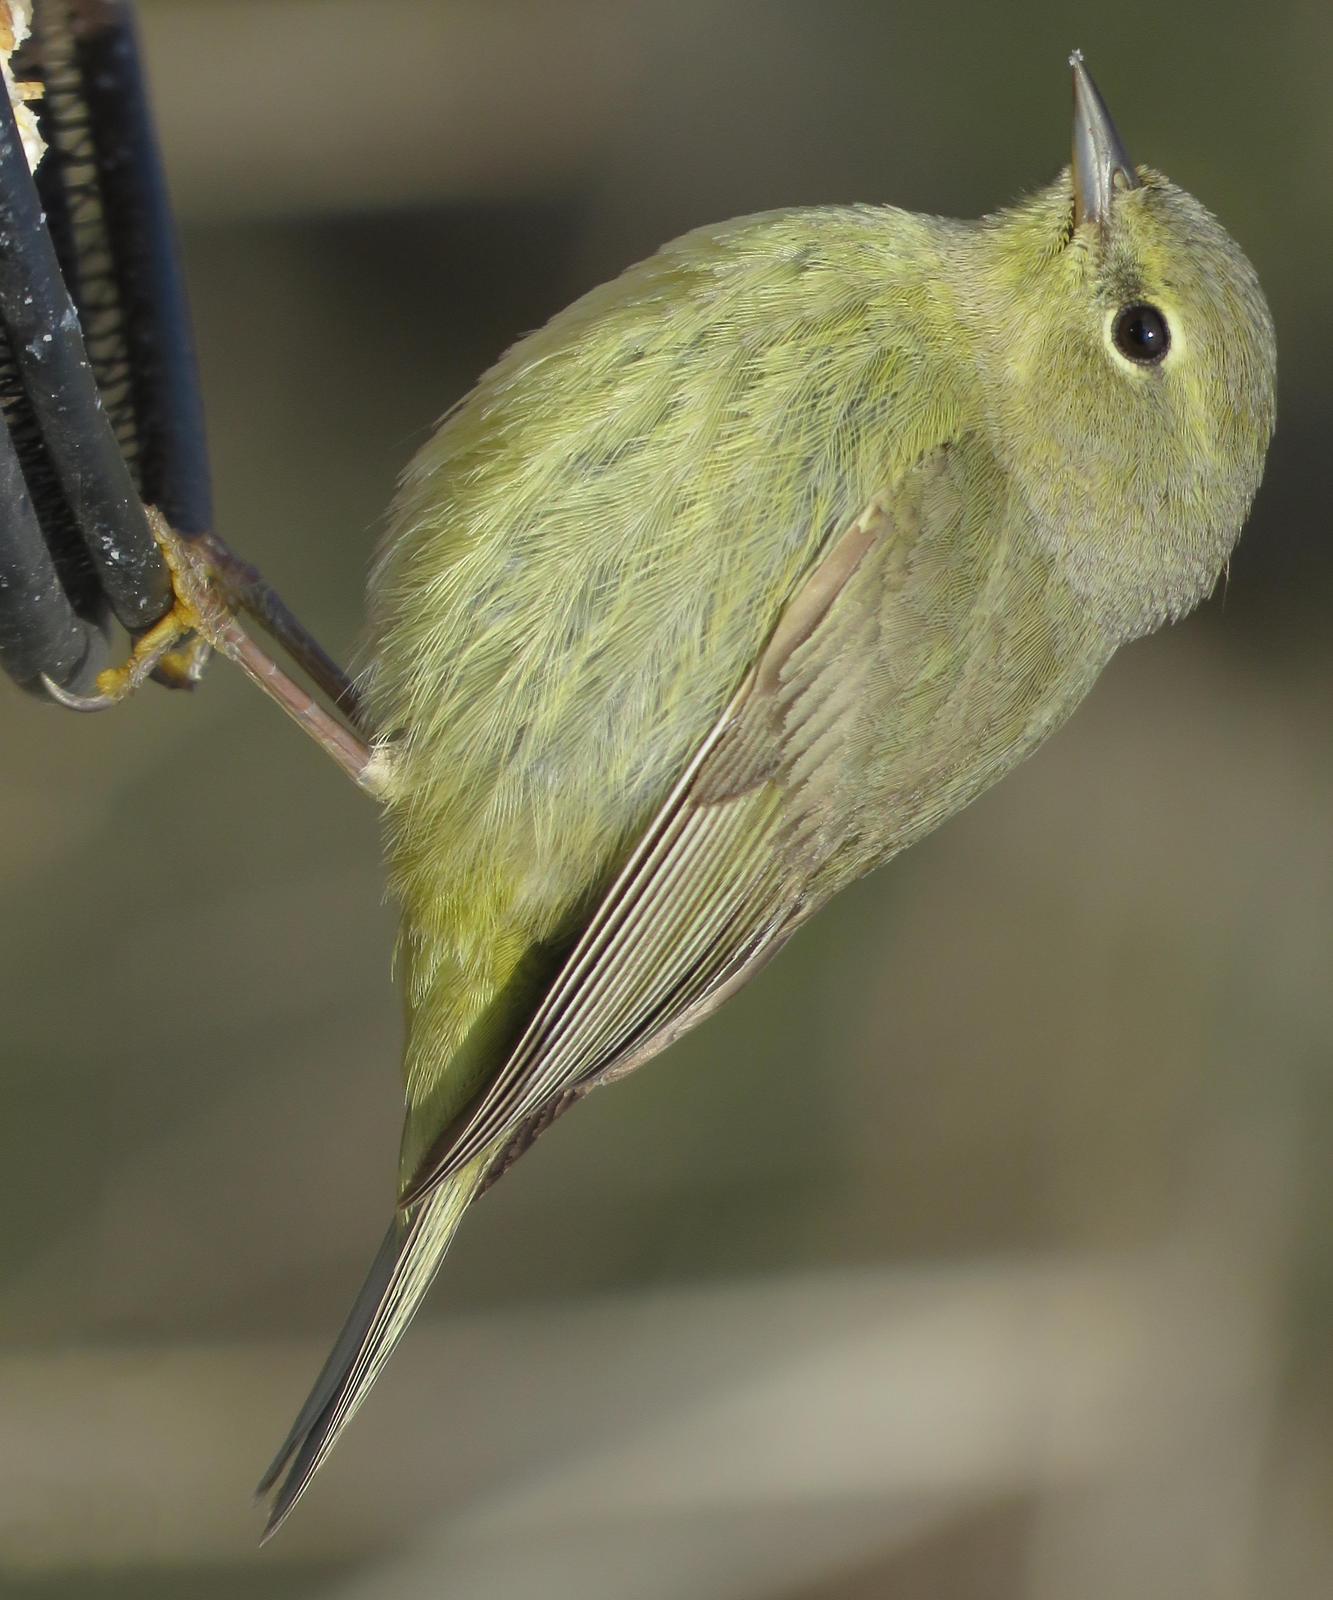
(1141, 334)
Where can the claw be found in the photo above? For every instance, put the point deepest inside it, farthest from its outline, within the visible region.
(75, 702)
(184, 667)
(158, 649)
(175, 648)
(201, 620)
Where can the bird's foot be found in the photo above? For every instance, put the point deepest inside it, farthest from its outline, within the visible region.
(176, 648)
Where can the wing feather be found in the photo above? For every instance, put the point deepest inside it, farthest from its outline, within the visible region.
(709, 886)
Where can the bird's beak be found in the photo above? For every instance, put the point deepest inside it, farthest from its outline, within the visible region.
(1101, 162)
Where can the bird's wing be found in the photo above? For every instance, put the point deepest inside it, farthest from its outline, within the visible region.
(729, 865)
(718, 876)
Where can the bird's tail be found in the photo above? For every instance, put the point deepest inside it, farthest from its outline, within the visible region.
(398, 1279)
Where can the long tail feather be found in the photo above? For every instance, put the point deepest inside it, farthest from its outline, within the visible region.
(398, 1279)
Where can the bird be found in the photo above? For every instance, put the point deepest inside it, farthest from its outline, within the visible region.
(733, 581)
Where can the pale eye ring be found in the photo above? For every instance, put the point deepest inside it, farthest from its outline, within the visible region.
(1141, 334)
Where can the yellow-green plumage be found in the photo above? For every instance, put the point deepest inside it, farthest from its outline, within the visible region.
(739, 576)
(593, 549)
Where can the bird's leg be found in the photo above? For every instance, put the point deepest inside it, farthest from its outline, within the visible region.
(202, 619)
(247, 590)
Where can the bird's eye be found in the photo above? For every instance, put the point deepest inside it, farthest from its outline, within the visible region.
(1141, 334)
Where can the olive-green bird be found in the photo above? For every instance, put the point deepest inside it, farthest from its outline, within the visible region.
(738, 577)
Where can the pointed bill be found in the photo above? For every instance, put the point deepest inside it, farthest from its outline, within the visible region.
(1101, 162)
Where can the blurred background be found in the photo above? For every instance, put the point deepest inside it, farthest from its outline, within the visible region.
(981, 1248)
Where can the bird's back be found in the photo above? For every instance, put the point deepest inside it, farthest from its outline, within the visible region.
(592, 550)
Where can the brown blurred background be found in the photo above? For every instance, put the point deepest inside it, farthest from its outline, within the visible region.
(981, 1248)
